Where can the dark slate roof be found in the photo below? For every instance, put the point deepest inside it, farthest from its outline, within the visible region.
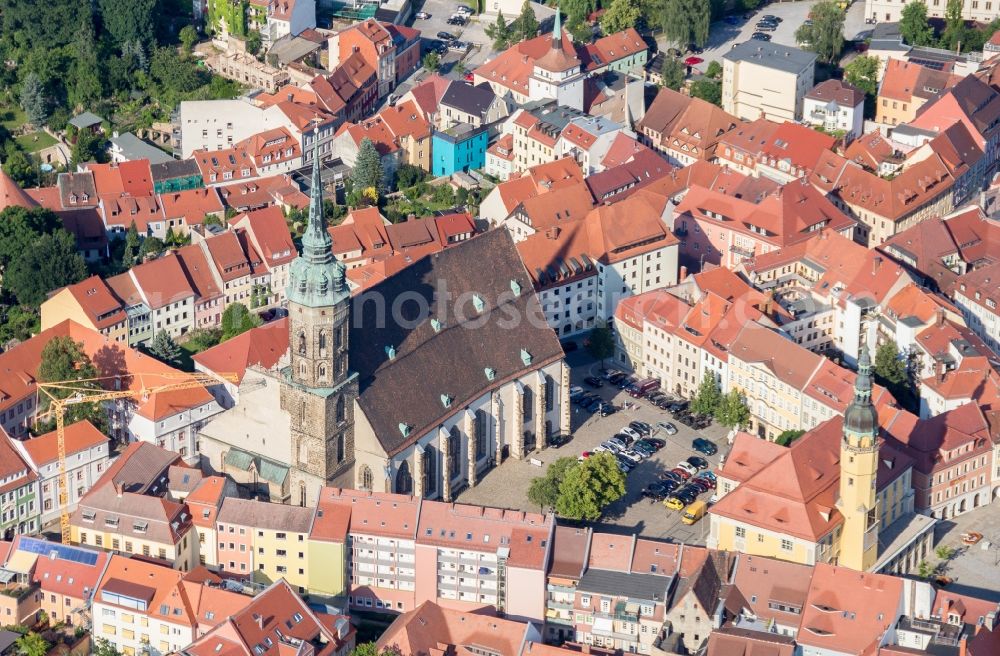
(469, 99)
(451, 361)
(772, 55)
(175, 168)
(649, 587)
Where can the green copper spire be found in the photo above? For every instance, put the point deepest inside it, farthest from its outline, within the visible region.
(860, 417)
(316, 278)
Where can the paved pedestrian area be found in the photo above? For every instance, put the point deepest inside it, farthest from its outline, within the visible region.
(974, 569)
(507, 485)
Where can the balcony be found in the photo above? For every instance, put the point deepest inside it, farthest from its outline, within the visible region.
(742, 252)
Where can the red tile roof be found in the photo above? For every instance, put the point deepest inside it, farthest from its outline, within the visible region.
(80, 436)
(98, 302)
(263, 346)
(12, 195)
(192, 205)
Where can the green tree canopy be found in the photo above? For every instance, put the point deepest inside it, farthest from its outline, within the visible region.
(685, 21)
(863, 72)
(129, 21)
(707, 90)
(733, 411)
(188, 36)
(237, 319)
(620, 15)
(673, 72)
(714, 70)
(589, 487)
(254, 42)
(32, 644)
(432, 61)
(825, 36)
(708, 398)
(105, 648)
(500, 33)
(151, 247)
(52, 262)
(890, 372)
(785, 438)
(63, 359)
(913, 25)
(544, 490)
(20, 168)
(526, 25)
(20, 228)
(33, 100)
(600, 343)
(164, 348)
(954, 25)
(368, 172)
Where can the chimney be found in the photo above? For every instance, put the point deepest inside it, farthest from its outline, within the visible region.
(876, 262)
(962, 644)
(119, 487)
(290, 96)
(683, 274)
(940, 316)
(260, 620)
(942, 370)
(991, 620)
(553, 232)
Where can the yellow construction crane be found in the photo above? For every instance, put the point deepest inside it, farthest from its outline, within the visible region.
(82, 392)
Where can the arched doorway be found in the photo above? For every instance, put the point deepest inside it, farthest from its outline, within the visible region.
(404, 480)
(961, 507)
(975, 501)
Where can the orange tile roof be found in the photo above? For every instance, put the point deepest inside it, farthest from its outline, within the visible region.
(687, 124)
(269, 232)
(161, 281)
(122, 210)
(79, 436)
(70, 578)
(13, 466)
(263, 346)
(431, 629)
(98, 302)
(388, 515)
(199, 272)
(215, 165)
(747, 456)
(611, 551)
(12, 195)
(191, 204)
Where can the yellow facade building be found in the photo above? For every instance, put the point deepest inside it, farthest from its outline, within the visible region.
(90, 303)
(829, 497)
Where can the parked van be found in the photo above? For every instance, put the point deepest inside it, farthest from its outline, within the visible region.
(694, 512)
(644, 387)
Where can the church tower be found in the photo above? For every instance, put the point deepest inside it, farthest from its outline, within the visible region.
(557, 74)
(319, 389)
(858, 469)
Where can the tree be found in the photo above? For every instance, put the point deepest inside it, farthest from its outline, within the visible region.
(131, 250)
(89, 147)
(789, 436)
(189, 36)
(21, 169)
(254, 42)
(825, 36)
(944, 552)
(164, 348)
(20, 228)
(863, 72)
(714, 70)
(620, 15)
(32, 644)
(431, 62)
(50, 263)
(128, 21)
(17, 323)
(925, 570)
(890, 370)
(686, 22)
(954, 25)
(236, 320)
(86, 87)
(33, 100)
(63, 359)
(526, 25)
(370, 649)
(544, 490)
(708, 398)
(600, 343)
(408, 175)
(707, 90)
(913, 25)
(500, 33)
(105, 648)
(673, 73)
(590, 486)
(733, 411)
(152, 247)
(201, 339)
(368, 172)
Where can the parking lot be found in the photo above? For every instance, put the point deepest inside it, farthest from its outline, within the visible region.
(974, 569)
(723, 35)
(507, 485)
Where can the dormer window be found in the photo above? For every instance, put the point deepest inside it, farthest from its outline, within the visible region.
(478, 302)
(515, 287)
(491, 373)
(391, 352)
(405, 429)
(446, 400)
(525, 357)
(436, 325)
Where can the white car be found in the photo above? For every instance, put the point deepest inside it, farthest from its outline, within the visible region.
(688, 467)
(612, 447)
(632, 456)
(618, 443)
(575, 391)
(634, 434)
(667, 427)
(423, 15)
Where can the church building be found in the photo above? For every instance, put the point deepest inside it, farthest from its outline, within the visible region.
(418, 385)
(840, 494)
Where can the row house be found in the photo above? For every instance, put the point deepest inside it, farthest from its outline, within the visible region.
(502, 201)
(350, 91)
(782, 152)
(583, 269)
(207, 283)
(830, 286)
(588, 140)
(187, 210)
(975, 293)
(905, 87)
(240, 269)
(19, 496)
(64, 577)
(87, 456)
(719, 229)
(90, 303)
(399, 135)
(393, 51)
(266, 232)
(273, 151)
(684, 128)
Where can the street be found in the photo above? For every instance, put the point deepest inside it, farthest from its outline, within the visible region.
(507, 485)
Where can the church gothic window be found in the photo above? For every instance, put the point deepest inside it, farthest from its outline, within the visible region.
(404, 480)
(455, 449)
(340, 447)
(482, 433)
(302, 343)
(322, 343)
(341, 413)
(367, 480)
(550, 393)
(430, 470)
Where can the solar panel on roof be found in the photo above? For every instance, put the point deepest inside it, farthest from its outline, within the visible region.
(62, 551)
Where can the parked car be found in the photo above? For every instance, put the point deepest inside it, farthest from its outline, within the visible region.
(769, 17)
(607, 409)
(673, 503)
(667, 427)
(671, 476)
(624, 463)
(594, 381)
(659, 490)
(766, 27)
(423, 15)
(640, 427)
(698, 462)
(625, 439)
(556, 441)
(464, 9)
(575, 392)
(615, 378)
(688, 467)
(760, 36)
(627, 380)
(700, 484)
(586, 454)
(611, 446)
(632, 456)
(593, 404)
(710, 482)
(621, 444)
(701, 445)
(630, 432)
(458, 46)
(656, 442)
(683, 474)
(643, 448)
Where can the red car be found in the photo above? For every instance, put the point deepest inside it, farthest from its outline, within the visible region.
(693, 61)
(680, 472)
(469, 77)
